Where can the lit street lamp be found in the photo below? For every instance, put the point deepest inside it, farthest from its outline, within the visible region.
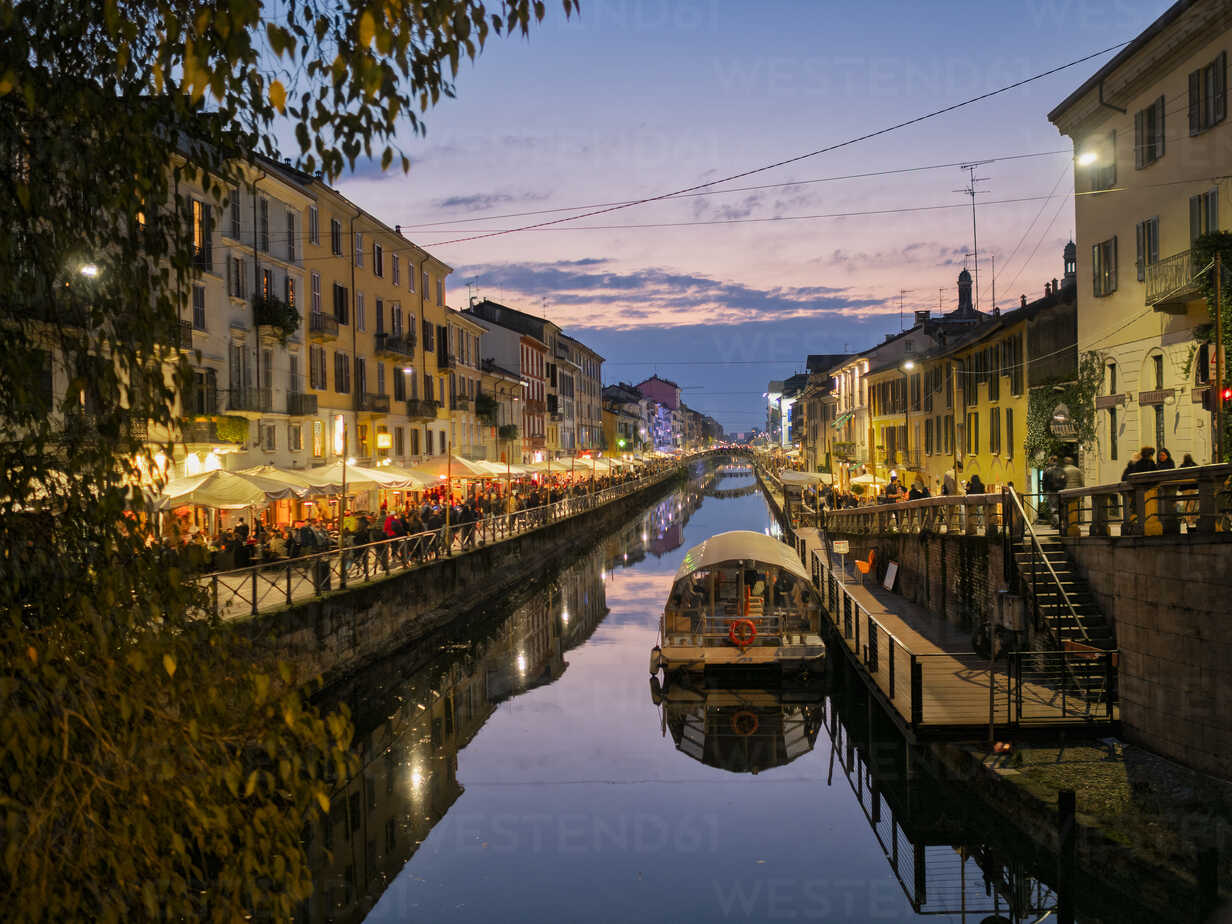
(905, 369)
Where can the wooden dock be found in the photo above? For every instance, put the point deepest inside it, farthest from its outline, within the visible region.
(927, 676)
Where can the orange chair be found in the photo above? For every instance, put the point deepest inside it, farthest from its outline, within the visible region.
(866, 567)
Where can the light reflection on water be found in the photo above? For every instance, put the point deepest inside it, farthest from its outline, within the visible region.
(518, 771)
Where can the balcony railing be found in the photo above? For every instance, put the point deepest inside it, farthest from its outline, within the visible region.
(185, 335)
(420, 409)
(254, 400)
(374, 404)
(446, 361)
(322, 326)
(1170, 282)
(461, 403)
(300, 404)
(398, 346)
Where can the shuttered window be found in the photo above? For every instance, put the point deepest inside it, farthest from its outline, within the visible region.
(1208, 95)
(1149, 134)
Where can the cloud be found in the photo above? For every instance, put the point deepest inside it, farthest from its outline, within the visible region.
(918, 252)
(477, 202)
(592, 293)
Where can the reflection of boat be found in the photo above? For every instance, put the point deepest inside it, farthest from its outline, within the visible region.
(740, 600)
(741, 731)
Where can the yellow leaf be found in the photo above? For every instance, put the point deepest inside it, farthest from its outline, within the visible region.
(251, 785)
(367, 29)
(32, 654)
(323, 801)
(7, 82)
(169, 665)
(278, 96)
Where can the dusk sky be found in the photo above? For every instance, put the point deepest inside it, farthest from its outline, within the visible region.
(635, 98)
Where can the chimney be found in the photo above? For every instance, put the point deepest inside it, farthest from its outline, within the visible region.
(921, 316)
(1047, 289)
(1055, 288)
(1024, 301)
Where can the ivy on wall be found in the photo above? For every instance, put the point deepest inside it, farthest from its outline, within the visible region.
(1202, 254)
(1079, 396)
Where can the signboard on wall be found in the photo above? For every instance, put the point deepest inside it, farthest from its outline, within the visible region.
(890, 575)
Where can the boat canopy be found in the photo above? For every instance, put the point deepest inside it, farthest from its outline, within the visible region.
(741, 545)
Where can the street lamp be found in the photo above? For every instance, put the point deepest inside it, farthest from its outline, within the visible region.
(1087, 158)
(905, 369)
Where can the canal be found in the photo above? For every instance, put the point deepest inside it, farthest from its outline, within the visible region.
(516, 769)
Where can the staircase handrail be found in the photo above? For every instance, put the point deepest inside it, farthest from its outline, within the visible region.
(1036, 547)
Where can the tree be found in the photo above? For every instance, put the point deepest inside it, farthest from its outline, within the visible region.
(150, 765)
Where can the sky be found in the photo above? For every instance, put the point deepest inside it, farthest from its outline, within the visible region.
(725, 291)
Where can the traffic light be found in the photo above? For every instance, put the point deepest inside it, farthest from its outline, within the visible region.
(1208, 398)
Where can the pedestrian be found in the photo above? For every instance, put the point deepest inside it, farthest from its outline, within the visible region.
(1187, 461)
(1147, 461)
(1164, 460)
(918, 491)
(949, 484)
(975, 485)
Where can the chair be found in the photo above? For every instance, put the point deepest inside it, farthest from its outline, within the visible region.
(866, 567)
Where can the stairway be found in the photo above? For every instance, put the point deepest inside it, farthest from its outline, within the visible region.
(1086, 624)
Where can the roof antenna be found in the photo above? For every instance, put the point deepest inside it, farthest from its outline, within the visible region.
(970, 190)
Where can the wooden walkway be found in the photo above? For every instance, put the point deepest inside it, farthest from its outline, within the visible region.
(926, 674)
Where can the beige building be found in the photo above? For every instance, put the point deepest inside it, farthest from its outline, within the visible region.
(1152, 142)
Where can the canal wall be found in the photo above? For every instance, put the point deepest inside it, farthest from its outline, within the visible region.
(1165, 595)
(343, 632)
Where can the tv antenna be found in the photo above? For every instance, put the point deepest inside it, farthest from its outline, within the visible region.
(901, 293)
(972, 190)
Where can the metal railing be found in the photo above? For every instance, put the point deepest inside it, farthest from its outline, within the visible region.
(1196, 500)
(420, 408)
(274, 584)
(1168, 277)
(970, 514)
(249, 398)
(396, 345)
(322, 325)
(1022, 534)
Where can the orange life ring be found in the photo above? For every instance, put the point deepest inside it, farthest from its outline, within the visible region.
(744, 723)
(742, 632)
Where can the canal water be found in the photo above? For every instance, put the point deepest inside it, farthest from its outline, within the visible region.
(517, 769)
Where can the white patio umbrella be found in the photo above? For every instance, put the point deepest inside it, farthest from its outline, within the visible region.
(222, 490)
(451, 467)
(304, 486)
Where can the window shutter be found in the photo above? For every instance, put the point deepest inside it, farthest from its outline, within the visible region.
(1221, 87)
(1140, 232)
(1112, 269)
(1138, 139)
(1154, 251)
(1095, 261)
(1159, 128)
(1195, 102)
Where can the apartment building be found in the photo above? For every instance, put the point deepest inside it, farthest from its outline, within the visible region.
(1152, 141)
(586, 370)
(465, 384)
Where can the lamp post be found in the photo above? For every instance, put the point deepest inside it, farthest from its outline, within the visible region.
(905, 369)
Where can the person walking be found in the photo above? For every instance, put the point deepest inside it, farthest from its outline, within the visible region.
(1164, 460)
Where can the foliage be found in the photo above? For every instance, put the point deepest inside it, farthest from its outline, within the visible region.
(1079, 396)
(231, 428)
(508, 432)
(486, 408)
(275, 313)
(1201, 254)
(149, 765)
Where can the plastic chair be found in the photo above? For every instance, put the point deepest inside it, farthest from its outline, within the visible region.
(866, 567)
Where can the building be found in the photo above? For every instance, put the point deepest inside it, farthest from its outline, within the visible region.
(818, 405)
(587, 374)
(624, 419)
(500, 424)
(663, 418)
(465, 384)
(1151, 138)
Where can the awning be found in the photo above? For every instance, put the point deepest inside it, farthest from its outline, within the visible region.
(453, 467)
(741, 545)
(222, 490)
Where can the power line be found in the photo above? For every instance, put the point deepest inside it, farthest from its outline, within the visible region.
(799, 157)
(734, 189)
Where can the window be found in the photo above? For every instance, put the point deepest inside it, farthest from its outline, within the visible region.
(1112, 434)
(1149, 134)
(340, 304)
(314, 225)
(316, 293)
(928, 437)
(1159, 425)
(428, 393)
(1009, 433)
(342, 374)
(361, 438)
(973, 433)
(288, 291)
(1203, 214)
(359, 248)
(380, 378)
(378, 260)
(395, 319)
(1208, 99)
(440, 292)
(361, 322)
(269, 437)
(399, 384)
(380, 316)
(267, 283)
(318, 439)
(236, 283)
(427, 283)
(994, 430)
(335, 237)
(399, 446)
(429, 336)
(441, 441)
(361, 375)
(202, 228)
(198, 307)
(263, 232)
(1202, 365)
(397, 269)
(316, 368)
(1103, 266)
(410, 276)
(1112, 378)
(1103, 174)
(235, 213)
(1148, 245)
(1157, 363)
(414, 441)
(290, 237)
(295, 437)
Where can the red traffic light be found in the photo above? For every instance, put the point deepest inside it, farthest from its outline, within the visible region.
(1227, 395)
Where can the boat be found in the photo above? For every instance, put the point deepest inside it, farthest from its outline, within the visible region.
(741, 600)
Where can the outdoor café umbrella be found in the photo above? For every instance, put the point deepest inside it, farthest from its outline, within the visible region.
(303, 486)
(221, 490)
(451, 467)
(867, 479)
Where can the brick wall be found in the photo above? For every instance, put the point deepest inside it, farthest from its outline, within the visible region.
(1170, 600)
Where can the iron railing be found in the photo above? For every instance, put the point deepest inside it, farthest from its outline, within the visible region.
(1168, 277)
(1195, 500)
(322, 326)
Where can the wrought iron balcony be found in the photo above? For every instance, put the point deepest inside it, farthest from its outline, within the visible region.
(1170, 283)
(420, 409)
(446, 361)
(185, 335)
(374, 404)
(300, 404)
(250, 399)
(322, 326)
(400, 346)
(461, 403)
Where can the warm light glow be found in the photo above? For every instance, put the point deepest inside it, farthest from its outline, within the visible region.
(384, 440)
(417, 779)
(351, 460)
(339, 434)
(192, 465)
(909, 365)
(90, 270)
(564, 617)
(1086, 158)
(522, 662)
(213, 462)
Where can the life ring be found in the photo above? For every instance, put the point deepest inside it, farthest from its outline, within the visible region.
(742, 632)
(744, 723)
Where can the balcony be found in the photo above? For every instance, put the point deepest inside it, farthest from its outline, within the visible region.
(322, 327)
(185, 341)
(420, 409)
(461, 403)
(232, 430)
(374, 404)
(399, 346)
(300, 404)
(534, 406)
(446, 361)
(250, 400)
(1170, 283)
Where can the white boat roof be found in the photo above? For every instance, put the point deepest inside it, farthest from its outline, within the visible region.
(741, 545)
